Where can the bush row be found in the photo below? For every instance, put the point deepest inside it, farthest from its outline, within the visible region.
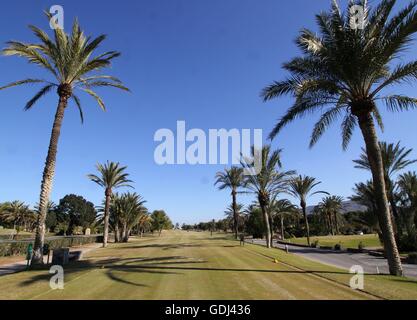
(12, 248)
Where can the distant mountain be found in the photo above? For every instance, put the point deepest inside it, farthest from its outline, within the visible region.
(348, 206)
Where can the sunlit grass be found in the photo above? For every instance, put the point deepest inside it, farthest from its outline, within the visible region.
(190, 265)
(352, 241)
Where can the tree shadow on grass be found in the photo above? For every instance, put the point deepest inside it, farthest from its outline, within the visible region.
(406, 281)
(244, 270)
(166, 246)
(112, 266)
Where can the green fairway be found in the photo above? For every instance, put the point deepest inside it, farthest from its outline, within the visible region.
(368, 240)
(190, 265)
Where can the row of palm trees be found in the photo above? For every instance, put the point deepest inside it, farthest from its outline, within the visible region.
(127, 211)
(327, 215)
(267, 185)
(121, 212)
(342, 73)
(329, 209)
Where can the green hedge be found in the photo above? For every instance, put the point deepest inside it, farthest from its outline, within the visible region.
(12, 248)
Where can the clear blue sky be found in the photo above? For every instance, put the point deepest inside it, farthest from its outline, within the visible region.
(201, 61)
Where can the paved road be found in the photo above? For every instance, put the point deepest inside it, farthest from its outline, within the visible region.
(345, 260)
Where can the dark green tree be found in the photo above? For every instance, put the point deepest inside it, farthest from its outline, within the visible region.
(160, 221)
(77, 211)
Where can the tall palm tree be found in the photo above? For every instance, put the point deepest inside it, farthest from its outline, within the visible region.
(394, 159)
(342, 72)
(231, 179)
(112, 176)
(69, 60)
(281, 209)
(267, 183)
(301, 187)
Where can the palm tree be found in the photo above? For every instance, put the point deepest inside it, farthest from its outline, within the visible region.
(364, 193)
(267, 183)
(342, 72)
(394, 159)
(407, 184)
(231, 179)
(69, 59)
(232, 212)
(301, 187)
(134, 210)
(282, 209)
(18, 213)
(112, 176)
(144, 223)
(330, 207)
(125, 213)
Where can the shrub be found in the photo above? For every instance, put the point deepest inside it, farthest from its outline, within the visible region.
(412, 258)
(315, 244)
(12, 248)
(338, 246)
(408, 242)
(361, 246)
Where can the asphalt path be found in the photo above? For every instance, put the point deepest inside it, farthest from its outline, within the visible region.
(345, 260)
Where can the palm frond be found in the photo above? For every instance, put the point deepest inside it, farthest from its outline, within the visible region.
(396, 103)
(96, 97)
(325, 120)
(21, 82)
(39, 95)
(79, 107)
(348, 125)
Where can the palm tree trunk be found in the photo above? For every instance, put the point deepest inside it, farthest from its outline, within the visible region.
(282, 228)
(331, 224)
(116, 232)
(107, 194)
(384, 216)
(125, 233)
(267, 226)
(336, 222)
(47, 178)
(303, 206)
(235, 214)
(271, 227)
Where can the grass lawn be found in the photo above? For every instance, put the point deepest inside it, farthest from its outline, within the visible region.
(189, 265)
(11, 231)
(368, 240)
